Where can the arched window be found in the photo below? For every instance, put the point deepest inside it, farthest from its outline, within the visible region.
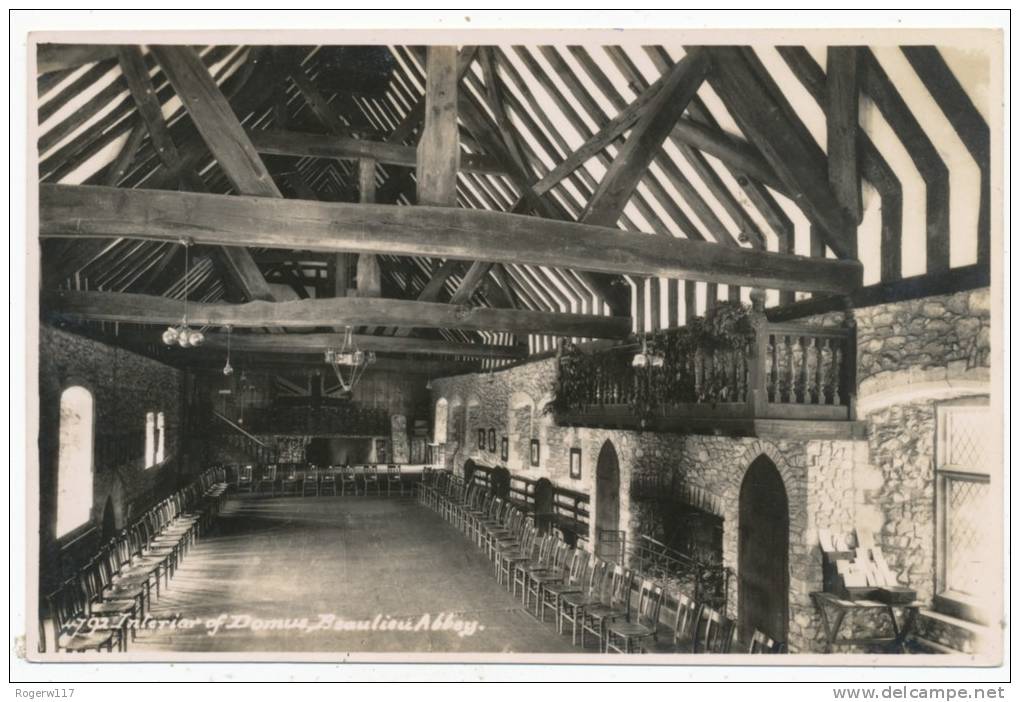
(74, 460)
(150, 439)
(439, 432)
(160, 438)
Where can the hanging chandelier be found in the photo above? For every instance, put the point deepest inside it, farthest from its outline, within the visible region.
(646, 359)
(349, 362)
(182, 335)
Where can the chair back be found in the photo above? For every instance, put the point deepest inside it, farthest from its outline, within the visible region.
(578, 565)
(348, 474)
(370, 471)
(686, 620)
(714, 633)
(328, 475)
(393, 471)
(244, 474)
(598, 576)
(619, 596)
(649, 604)
(269, 472)
(65, 606)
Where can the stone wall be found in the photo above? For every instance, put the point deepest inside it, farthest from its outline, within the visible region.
(124, 386)
(817, 474)
(911, 355)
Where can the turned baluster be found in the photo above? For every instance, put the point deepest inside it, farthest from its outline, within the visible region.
(803, 395)
(819, 382)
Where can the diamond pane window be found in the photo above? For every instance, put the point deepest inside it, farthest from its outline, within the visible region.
(964, 463)
(966, 533)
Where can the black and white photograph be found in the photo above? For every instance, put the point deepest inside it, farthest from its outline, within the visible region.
(287, 289)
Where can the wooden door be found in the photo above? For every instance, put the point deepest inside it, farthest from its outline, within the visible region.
(763, 564)
(609, 538)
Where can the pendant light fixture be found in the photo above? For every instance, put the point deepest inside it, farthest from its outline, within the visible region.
(182, 335)
(227, 368)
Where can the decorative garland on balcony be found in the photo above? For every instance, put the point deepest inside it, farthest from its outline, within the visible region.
(585, 378)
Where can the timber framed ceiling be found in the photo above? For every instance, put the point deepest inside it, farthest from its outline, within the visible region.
(838, 155)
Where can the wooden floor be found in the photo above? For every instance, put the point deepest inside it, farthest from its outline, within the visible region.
(360, 561)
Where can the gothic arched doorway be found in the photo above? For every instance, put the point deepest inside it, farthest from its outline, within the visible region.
(500, 482)
(609, 540)
(544, 503)
(469, 471)
(763, 560)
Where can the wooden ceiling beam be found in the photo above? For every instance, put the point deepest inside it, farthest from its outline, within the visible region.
(57, 57)
(470, 282)
(644, 141)
(799, 162)
(309, 314)
(223, 134)
(73, 211)
(317, 343)
(843, 90)
(281, 142)
(968, 122)
(439, 154)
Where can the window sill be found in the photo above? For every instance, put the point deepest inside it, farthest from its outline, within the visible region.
(961, 606)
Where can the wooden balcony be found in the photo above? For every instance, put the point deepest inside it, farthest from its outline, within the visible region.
(786, 380)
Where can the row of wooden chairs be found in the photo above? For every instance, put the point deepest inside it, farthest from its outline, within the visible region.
(98, 607)
(334, 480)
(591, 596)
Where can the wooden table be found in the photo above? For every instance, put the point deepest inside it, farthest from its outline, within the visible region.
(828, 603)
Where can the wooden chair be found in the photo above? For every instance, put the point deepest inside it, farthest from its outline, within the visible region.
(714, 633)
(268, 479)
(541, 559)
(291, 482)
(245, 479)
(327, 481)
(574, 583)
(507, 560)
(114, 607)
(348, 480)
(370, 478)
(626, 636)
(71, 631)
(596, 617)
(539, 579)
(310, 485)
(685, 622)
(573, 604)
(394, 478)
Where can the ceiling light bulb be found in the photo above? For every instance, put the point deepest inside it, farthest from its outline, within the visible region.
(170, 336)
(195, 337)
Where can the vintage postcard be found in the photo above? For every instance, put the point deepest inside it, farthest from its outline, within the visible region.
(645, 346)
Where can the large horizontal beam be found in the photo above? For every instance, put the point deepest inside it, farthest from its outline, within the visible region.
(465, 234)
(312, 343)
(328, 312)
(281, 142)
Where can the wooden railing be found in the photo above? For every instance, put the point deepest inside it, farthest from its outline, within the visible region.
(239, 438)
(782, 371)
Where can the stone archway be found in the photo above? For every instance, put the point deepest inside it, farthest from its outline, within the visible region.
(608, 544)
(763, 552)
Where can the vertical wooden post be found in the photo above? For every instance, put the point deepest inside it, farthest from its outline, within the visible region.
(369, 274)
(439, 147)
(757, 392)
(849, 369)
